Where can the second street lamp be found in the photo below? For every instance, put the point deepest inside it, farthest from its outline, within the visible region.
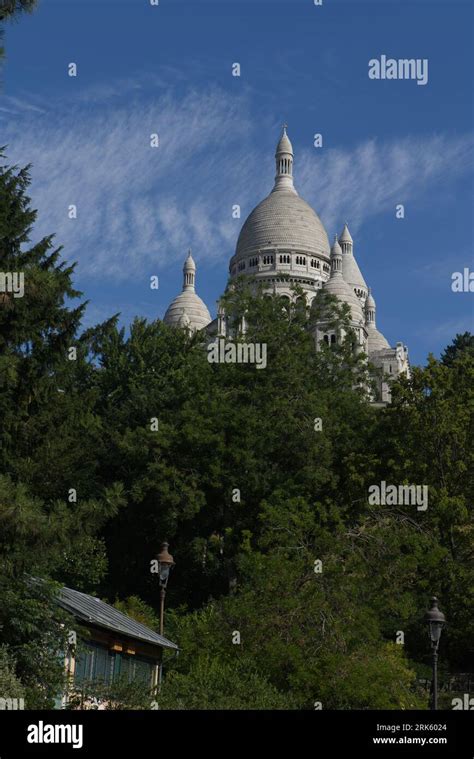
(436, 621)
(165, 565)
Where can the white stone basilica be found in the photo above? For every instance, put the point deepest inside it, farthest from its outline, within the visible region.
(284, 236)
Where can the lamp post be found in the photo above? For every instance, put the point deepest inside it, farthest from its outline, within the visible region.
(436, 621)
(165, 565)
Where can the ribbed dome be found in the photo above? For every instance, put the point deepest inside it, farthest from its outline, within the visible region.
(370, 302)
(283, 220)
(187, 310)
(336, 248)
(187, 304)
(338, 287)
(375, 341)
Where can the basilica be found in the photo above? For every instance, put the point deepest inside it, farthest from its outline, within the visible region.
(283, 235)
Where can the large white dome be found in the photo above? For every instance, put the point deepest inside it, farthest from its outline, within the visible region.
(285, 221)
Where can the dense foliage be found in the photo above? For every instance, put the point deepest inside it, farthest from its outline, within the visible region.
(290, 590)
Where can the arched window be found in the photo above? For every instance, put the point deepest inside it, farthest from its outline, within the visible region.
(326, 339)
(285, 303)
(333, 339)
(301, 304)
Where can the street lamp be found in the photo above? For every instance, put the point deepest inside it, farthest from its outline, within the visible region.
(436, 621)
(165, 565)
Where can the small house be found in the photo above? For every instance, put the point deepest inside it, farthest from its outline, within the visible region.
(110, 644)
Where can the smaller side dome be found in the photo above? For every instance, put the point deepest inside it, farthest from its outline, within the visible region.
(187, 306)
(336, 248)
(375, 340)
(187, 310)
(370, 302)
(337, 286)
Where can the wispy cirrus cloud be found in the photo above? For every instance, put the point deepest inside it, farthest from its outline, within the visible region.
(20, 105)
(136, 205)
(140, 207)
(376, 175)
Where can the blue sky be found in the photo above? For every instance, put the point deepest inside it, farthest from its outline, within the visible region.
(167, 69)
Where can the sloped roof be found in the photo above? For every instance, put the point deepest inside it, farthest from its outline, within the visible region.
(351, 272)
(96, 612)
(345, 235)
